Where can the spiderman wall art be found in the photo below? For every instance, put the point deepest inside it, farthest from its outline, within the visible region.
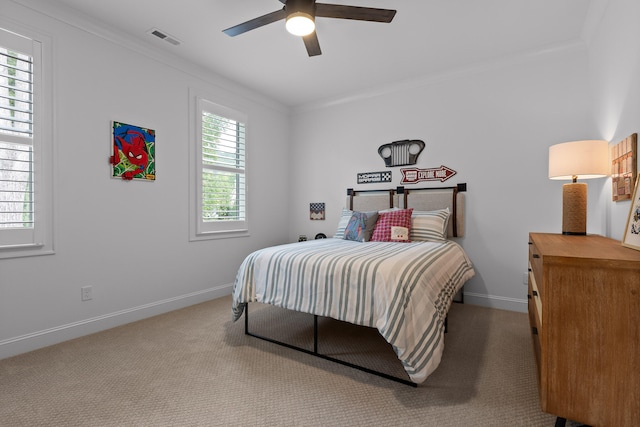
(133, 152)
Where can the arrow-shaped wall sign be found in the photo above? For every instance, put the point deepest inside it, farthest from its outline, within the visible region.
(415, 175)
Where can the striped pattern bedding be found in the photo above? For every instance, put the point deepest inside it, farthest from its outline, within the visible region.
(402, 289)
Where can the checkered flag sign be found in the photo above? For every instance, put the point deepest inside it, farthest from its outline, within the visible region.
(316, 210)
(374, 177)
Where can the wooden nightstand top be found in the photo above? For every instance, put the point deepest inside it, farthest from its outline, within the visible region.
(592, 247)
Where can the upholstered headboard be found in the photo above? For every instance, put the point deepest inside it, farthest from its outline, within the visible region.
(420, 199)
(371, 200)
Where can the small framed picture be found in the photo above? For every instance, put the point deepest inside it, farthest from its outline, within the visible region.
(631, 238)
(316, 211)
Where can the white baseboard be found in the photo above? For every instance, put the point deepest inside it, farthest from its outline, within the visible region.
(39, 339)
(493, 301)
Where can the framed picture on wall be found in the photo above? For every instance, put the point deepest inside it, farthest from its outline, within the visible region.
(316, 211)
(134, 152)
(624, 168)
(631, 238)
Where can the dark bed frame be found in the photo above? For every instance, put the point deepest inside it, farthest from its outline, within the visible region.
(352, 193)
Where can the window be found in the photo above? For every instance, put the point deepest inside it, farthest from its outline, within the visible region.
(219, 193)
(25, 170)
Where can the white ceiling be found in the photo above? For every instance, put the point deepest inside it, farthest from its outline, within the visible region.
(426, 37)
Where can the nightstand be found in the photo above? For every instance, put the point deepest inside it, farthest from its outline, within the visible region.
(584, 312)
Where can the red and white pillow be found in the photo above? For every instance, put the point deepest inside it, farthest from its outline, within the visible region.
(394, 221)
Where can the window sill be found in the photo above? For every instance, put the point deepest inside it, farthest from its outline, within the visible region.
(216, 235)
(25, 250)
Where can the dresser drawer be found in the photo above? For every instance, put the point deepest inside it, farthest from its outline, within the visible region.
(536, 295)
(535, 265)
(534, 323)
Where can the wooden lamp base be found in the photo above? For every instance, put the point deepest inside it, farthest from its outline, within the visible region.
(574, 208)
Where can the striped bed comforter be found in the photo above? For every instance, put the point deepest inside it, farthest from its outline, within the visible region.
(402, 289)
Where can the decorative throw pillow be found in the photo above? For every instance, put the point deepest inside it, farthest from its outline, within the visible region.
(430, 226)
(360, 226)
(386, 220)
(355, 227)
(370, 222)
(342, 224)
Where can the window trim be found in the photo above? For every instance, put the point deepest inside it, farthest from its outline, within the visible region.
(41, 242)
(198, 229)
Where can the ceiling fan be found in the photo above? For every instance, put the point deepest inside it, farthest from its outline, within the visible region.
(300, 19)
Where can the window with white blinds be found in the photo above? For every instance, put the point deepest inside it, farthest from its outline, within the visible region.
(223, 154)
(221, 187)
(25, 166)
(16, 142)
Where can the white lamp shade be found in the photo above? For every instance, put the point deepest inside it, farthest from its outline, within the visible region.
(300, 24)
(583, 159)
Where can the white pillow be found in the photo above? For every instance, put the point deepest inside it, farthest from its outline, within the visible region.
(429, 226)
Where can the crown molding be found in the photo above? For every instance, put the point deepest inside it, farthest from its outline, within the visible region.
(83, 22)
(447, 75)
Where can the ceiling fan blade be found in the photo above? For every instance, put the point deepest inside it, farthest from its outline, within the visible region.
(312, 44)
(255, 23)
(325, 10)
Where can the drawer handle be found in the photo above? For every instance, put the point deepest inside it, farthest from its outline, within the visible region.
(535, 293)
(536, 256)
(529, 270)
(534, 330)
(528, 296)
(531, 243)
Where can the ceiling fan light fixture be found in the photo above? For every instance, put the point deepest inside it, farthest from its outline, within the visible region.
(300, 24)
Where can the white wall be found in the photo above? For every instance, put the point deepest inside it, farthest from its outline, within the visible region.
(492, 123)
(614, 64)
(129, 240)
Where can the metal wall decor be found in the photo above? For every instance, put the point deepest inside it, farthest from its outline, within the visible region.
(415, 175)
(401, 153)
(374, 177)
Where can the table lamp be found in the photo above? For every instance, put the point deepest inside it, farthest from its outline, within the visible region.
(573, 160)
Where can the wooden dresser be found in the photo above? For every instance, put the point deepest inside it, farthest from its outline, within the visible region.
(584, 311)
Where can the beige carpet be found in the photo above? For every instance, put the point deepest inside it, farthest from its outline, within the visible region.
(194, 367)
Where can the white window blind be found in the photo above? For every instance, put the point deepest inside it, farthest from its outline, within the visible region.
(16, 140)
(223, 168)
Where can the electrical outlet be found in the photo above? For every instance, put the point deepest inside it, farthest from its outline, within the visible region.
(525, 278)
(86, 293)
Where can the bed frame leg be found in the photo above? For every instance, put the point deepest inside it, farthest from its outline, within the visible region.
(246, 319)
(315, 333)
(561, 422)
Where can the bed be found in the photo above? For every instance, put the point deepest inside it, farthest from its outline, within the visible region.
(401, 284)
